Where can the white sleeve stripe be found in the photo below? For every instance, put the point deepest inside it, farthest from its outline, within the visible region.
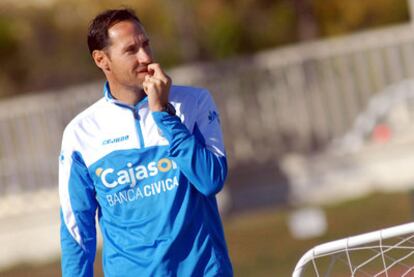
(68, 216)
(215, 150)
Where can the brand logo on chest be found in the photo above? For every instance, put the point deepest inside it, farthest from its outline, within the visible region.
(115, 140)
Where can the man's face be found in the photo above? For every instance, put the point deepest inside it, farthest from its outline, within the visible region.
(128, 53)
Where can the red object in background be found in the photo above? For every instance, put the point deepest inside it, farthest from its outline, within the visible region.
(381, 133)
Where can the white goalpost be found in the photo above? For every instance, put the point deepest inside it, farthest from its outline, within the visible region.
(387, 253)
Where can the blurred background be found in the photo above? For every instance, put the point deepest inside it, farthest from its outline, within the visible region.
(317, 109)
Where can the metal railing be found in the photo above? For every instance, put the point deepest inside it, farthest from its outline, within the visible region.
(300, 97)
(296, 98)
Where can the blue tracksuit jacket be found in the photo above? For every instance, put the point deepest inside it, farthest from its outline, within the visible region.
(150, 179)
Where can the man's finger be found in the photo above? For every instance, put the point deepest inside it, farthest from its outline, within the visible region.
(158, 72)
(149, 87)
(155, 80)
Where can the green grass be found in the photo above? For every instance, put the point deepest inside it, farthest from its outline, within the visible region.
(260, 243)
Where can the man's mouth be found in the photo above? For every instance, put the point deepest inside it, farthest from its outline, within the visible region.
(142, 70)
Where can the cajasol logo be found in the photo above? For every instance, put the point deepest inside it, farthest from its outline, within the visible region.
(131, 175)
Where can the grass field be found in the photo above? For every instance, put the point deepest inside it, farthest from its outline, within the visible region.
(260, 243)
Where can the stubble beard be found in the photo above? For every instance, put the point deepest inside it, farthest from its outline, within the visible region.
(137, 86)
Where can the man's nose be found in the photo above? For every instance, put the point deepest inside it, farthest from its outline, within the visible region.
(144, 56)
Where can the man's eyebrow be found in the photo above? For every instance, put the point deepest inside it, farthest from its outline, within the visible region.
(129, 46)
(133, 45)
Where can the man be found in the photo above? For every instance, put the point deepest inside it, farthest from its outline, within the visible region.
(149, 158)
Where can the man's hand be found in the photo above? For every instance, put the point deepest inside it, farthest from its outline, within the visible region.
(157, 86)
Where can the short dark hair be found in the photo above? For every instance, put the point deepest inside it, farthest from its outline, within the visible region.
(98, 29)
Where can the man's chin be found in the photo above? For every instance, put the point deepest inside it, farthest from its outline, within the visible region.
(135, 86)
(139, 86)
(138, 81)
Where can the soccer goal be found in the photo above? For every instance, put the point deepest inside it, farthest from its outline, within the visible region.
(383, 253)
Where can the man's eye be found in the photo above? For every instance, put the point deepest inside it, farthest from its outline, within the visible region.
(130, 50)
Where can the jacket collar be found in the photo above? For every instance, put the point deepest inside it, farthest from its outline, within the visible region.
(109, 97)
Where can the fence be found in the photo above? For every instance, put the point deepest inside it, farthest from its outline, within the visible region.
(298, 98)
(290, 99)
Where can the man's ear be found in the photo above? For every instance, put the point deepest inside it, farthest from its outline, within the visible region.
(101, 59)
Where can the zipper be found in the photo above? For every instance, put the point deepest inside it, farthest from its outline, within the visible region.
(138, 127)
(134, 110)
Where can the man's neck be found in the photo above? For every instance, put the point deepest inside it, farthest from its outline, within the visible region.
(127, 95)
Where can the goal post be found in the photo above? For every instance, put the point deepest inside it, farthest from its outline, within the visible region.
(388, 252)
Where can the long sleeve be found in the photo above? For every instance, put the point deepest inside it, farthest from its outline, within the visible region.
(78, 208)
(200, 154)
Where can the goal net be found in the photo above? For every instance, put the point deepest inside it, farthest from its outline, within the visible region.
(383, 253)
